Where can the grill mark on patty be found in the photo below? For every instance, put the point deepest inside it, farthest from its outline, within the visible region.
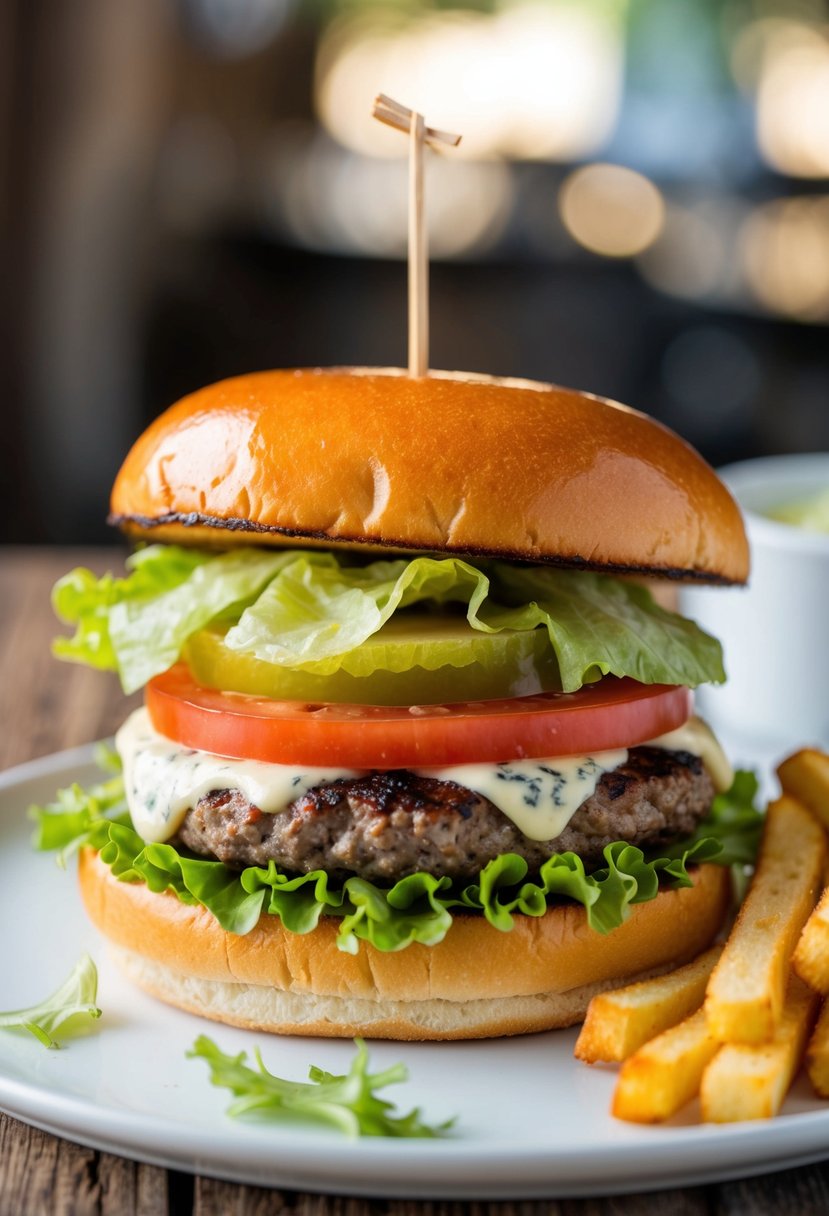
(638, 768)
(395, 789)
(386, 825)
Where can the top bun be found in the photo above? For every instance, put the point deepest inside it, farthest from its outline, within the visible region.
(449, 463)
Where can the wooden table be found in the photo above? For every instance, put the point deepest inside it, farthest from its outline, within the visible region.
(46, 706)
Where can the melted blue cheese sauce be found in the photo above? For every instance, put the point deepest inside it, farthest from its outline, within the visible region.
(163, 779)
(697, 737)
(539, 796)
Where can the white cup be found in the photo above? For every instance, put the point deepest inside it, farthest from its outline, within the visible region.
(775, 633)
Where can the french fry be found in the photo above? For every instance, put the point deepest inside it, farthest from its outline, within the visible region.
(618, 1023)
(750, 1082)
(805, 776)
(664, 1074)
(745, 995)
(817, 1054)
(811, 956)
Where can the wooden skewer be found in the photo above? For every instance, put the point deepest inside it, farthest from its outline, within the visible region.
(418, 254)
(402, 119)
(393, 114)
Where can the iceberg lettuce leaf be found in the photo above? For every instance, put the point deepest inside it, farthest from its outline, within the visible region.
(603, 626)
(303, 609)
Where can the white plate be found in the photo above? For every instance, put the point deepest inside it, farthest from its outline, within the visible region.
(532, 1122)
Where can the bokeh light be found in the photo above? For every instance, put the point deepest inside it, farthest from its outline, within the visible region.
(532, 80)
(712, 377)
(611, 210)
(324, 196)
(236, 28)
(693, 256)
(786, 63)
(785, 254)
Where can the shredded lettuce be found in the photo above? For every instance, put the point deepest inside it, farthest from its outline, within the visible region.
(307, 609)
(418, 908)
(349, 1102)
(74, 999)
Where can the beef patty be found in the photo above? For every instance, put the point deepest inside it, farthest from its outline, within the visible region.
(389, 824)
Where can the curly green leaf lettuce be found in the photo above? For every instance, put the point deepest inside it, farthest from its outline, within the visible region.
(349, 1102)
(418, 908)
(82, 816)
(79, 817)
(734, 821)
(298, 608)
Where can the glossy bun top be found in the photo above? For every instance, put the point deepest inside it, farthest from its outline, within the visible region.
(448, 463)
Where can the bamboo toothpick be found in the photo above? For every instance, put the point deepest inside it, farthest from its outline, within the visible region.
(418, 254)
(394, 115)
(402, 119)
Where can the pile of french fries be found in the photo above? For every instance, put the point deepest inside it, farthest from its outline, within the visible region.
(733, 1026)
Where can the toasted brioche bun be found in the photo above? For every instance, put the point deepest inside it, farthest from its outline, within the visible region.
(476, 983)
(447, 463)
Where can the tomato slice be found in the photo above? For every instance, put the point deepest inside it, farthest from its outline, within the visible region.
(610, 714)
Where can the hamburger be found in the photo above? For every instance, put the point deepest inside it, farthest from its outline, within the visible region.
(417, 757)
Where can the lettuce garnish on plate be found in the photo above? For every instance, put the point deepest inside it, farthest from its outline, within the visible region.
(348, 1102)
(63, 1010)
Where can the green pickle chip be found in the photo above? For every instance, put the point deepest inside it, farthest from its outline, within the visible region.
(416, 659)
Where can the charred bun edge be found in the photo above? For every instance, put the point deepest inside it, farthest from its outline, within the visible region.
(476, 983)
(135, 525)
(369, 460)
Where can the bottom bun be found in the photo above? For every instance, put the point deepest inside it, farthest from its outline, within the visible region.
(477, 983)
(255, 1007)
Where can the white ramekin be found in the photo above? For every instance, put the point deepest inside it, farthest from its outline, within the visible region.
(775, 633)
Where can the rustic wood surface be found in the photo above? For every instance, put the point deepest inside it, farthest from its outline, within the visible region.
(46, 706)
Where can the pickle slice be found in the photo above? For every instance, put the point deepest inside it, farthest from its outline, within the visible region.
(412, 660)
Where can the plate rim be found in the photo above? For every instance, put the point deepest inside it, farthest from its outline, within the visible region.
(374, 1169)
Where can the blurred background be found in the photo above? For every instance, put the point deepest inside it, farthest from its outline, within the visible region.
(194, 188)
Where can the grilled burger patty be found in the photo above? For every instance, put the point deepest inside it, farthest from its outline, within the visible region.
(387, 825)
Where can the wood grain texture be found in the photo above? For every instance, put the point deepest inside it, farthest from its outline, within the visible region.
(45, 706)
(214, 1198)
(41, 1174)
(804, 1191)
